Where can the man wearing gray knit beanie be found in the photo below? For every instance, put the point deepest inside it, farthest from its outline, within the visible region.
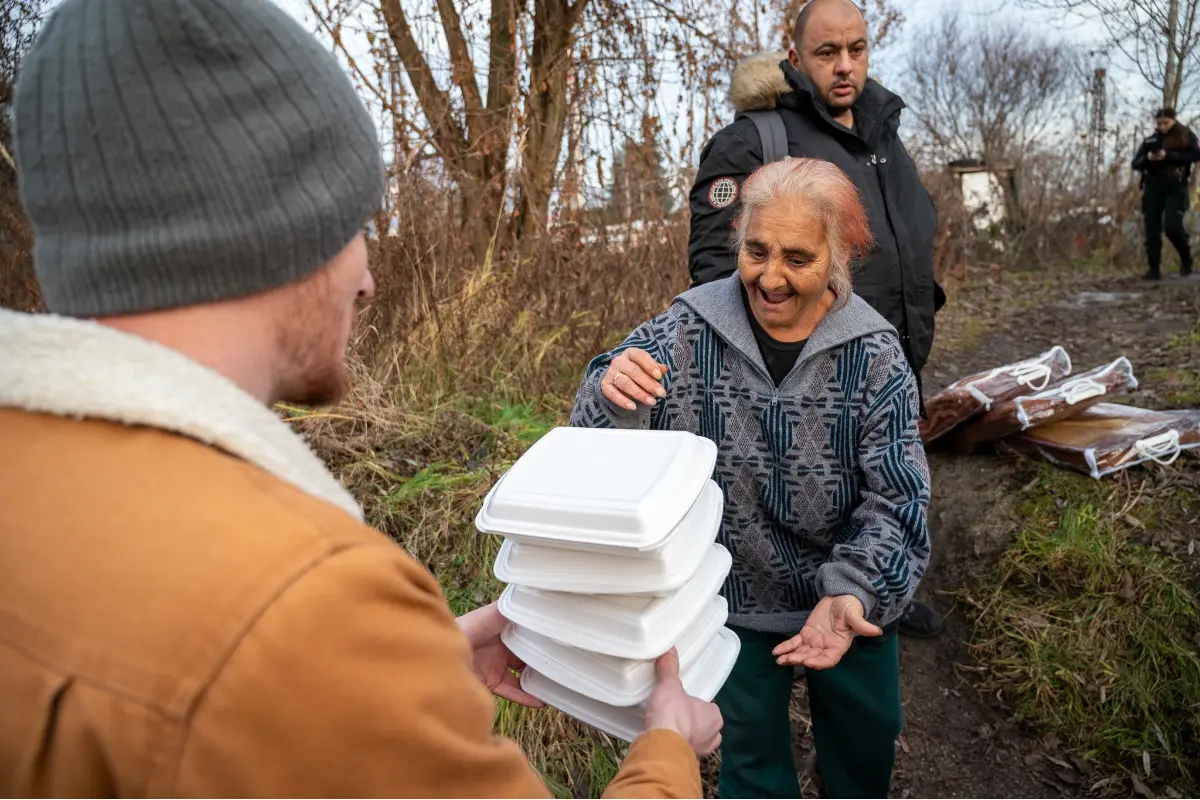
(190, 603)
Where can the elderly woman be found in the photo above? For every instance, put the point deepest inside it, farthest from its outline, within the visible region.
(809, 398)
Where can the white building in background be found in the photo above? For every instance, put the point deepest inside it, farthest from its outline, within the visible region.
(982, 187)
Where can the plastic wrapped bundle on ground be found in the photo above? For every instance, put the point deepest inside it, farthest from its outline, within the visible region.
(968, 398)
(1063, 400)
(1108, 438)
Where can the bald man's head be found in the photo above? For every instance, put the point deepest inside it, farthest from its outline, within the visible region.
(811, 7)
(831, 50)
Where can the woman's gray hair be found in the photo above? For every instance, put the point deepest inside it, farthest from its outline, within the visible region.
(824, 190)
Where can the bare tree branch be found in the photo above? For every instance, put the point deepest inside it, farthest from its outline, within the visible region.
(991, 93)
(448, 135)
(462, 70)
(1158, 38)
(335, 36)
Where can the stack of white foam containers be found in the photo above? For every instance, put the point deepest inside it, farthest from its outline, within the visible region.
(611, 559)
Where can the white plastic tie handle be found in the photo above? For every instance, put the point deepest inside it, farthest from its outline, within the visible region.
(1076, 390)
(1163, 448)
(1027, 374)
(1080, 389)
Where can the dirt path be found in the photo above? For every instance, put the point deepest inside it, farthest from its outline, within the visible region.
(956, 742)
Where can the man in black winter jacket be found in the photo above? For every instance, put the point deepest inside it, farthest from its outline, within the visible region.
(832, 111)
(1165, 160)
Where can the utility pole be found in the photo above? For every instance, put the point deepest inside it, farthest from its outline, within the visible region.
(1098, 128)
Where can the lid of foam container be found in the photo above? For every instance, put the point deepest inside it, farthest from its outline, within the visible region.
(658, 571)
(703, 680)
(626, 626)
(616, 681)
(616, 488)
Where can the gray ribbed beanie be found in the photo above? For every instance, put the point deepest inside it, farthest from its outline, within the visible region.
(174, 152)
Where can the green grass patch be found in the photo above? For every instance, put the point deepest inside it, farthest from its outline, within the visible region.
(1189, 339)
(1180, 382)
(432, 478)
(972, 332)
(1179, 386)
(602, 768)
(525, 422)
(1094, 634)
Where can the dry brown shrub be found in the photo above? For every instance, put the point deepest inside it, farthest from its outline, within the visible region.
(523, 323)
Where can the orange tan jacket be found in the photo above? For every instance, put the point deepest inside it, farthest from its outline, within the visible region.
(190, 604)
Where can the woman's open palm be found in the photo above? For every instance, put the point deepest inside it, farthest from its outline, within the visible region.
(827, 635)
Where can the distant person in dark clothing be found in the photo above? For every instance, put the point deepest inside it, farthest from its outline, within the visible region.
(1165, 160)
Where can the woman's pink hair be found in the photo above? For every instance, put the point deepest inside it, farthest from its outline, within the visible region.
(823, 190)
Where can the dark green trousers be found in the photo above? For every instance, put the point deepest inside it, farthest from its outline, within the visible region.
(856, 717)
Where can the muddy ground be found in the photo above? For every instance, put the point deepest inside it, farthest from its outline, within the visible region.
(958, 743)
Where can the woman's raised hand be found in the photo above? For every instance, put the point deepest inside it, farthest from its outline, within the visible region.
(633, 377)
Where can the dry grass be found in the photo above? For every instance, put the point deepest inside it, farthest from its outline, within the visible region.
(525, 321)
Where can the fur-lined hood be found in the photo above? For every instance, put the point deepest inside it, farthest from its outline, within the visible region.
(758, 82)
(765, 82)
(76, 368)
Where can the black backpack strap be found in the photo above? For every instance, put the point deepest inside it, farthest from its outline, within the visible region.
(772, 133)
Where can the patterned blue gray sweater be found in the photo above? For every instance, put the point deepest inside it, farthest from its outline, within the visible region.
(825, 480)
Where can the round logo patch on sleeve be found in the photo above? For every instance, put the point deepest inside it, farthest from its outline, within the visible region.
(722, 193)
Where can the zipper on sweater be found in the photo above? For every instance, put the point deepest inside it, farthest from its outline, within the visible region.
(805, 356)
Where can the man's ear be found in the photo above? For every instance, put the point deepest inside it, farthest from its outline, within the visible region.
(794, 59)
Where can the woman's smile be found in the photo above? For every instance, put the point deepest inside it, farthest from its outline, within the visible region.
(776, 300)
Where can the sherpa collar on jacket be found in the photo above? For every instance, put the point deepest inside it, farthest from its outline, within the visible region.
(74, 368)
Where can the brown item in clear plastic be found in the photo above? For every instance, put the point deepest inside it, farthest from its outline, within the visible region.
(969, 397)
(1062, 401)
(1107, 438)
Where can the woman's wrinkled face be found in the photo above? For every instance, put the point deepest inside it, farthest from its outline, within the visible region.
(784, 265)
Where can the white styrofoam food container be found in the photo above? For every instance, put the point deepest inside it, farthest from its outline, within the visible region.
(703, 679)
(658, 572)
(590, 488)
(625, 626)
(616, 681)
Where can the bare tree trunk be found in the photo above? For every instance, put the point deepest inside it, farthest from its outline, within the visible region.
(476, 151)
(554, 23)
(1173, 79)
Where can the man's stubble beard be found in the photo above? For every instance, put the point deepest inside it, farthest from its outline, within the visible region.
(311, 346)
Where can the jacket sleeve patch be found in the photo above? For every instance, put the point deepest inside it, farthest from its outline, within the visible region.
(722, 193)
